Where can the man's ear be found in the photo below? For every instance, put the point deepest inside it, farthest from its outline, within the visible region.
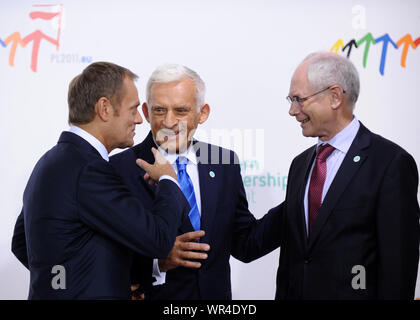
(204, 113)
(336, 97)
(145, 109)
(104, 109)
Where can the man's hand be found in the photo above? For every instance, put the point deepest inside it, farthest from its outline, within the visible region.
(159, 168)
(184, 250)
(135, 295)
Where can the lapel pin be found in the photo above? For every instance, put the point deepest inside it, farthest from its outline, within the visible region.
(356, 159)
(212, 174)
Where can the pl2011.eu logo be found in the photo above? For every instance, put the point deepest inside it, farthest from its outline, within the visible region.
(51, 36)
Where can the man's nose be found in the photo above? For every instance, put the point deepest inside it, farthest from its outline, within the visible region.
(138, 119)
(170, 119)
(294, 109)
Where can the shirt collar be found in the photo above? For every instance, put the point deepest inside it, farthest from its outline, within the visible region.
(343, 140)
(189, 154)
(94, 142)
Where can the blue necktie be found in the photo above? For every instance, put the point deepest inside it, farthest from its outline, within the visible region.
(188, 191)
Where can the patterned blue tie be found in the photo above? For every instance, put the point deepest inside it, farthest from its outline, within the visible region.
(188, 190)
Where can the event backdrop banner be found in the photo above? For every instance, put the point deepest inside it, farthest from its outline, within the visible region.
(245, 51)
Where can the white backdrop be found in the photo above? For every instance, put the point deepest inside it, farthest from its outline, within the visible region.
(244, 50)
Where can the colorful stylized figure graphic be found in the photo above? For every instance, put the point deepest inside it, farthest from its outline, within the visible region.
(15, 40)
(405, 42)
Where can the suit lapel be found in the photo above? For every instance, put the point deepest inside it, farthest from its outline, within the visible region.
(144, 152)
(345, 174)
(209, 183)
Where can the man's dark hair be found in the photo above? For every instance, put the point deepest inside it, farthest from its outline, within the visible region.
(99, 79)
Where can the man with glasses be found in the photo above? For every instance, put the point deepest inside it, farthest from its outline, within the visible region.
(351, 219)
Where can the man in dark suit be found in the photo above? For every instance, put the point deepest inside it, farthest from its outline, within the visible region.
(79, 224)
(351, 228)
(219, 217)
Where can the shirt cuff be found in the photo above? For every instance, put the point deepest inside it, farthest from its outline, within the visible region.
(160, 276)
(169, 178)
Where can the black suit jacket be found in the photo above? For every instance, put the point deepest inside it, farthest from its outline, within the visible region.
(230, 228)
(369, 217)
(77, 213)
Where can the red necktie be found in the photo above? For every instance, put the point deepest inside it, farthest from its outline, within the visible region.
(316, 185)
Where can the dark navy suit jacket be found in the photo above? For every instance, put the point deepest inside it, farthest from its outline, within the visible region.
(78, 213)
(230, 228)
(369, 218)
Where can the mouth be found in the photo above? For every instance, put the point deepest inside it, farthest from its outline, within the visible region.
(302, 122)
(171, 136)
(168, 135)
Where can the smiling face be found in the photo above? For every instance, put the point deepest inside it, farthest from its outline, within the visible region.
(315, 115)
(173, 114)
(124, 120)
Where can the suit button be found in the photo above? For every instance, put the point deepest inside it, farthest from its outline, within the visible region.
(308, 260)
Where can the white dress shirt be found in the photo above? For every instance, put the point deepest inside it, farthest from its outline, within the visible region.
(192, 170)
(341, 142)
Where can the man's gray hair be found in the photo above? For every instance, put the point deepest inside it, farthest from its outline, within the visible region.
(174, 72)
(327, 69)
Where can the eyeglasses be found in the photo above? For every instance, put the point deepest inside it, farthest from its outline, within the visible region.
(301, 100)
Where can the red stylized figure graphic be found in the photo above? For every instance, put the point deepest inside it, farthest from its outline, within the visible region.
(38, 35)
